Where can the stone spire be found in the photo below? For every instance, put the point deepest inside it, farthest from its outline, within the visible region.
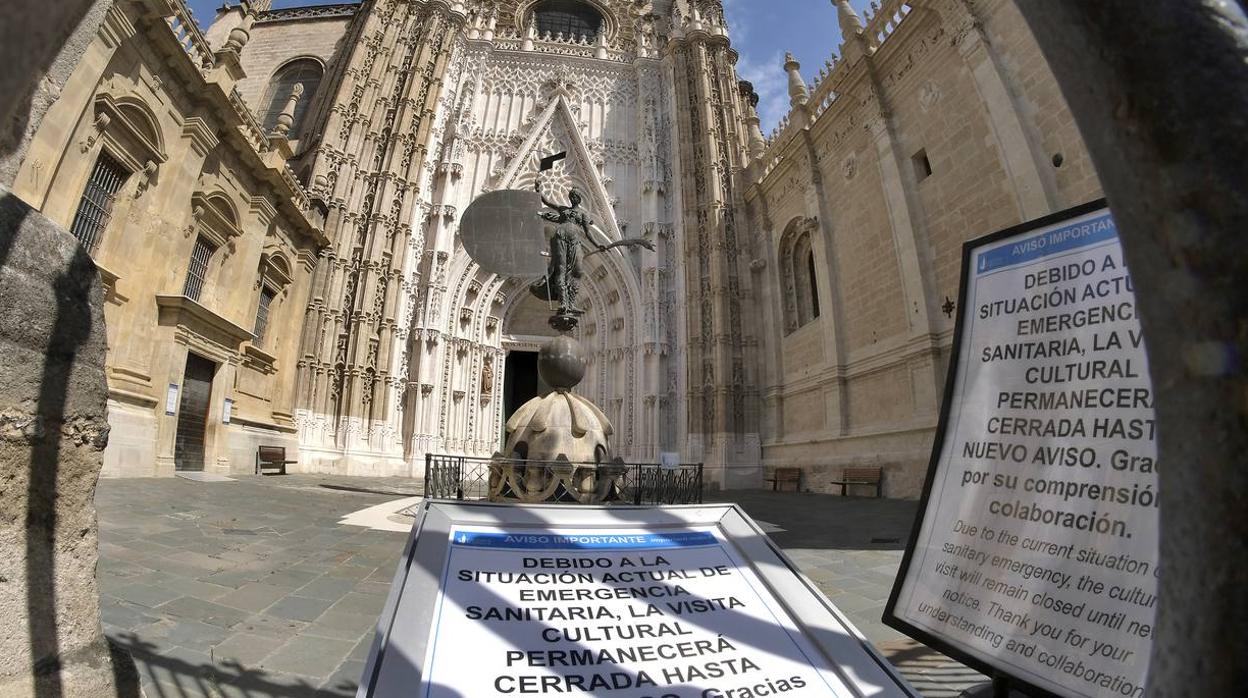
(854, 40)
(798, 94)
(287, 118)
(601, 51)
(757, 144)
(239, 35)
(261, 5)
(851, 23)
(530, 35)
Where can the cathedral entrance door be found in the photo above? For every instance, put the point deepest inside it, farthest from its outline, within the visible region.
(521, 383)
(188, 448)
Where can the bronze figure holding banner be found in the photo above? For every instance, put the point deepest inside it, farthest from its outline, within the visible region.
(562, 281)
(557, 444)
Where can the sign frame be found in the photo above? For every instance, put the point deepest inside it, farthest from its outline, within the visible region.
(819, 621)
(890, 618)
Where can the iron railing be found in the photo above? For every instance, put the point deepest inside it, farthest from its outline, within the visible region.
(468, 478)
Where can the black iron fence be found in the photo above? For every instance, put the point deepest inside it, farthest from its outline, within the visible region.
(468, 478)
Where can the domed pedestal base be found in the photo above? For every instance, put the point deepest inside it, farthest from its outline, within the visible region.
(532, 482)
(558, 445)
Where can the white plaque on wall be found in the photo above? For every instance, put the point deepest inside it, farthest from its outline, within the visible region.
(171, 399)
(669, 460)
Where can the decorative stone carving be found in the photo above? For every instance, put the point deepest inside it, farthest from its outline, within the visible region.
(487, 377)
(849, 166)
(929, 95)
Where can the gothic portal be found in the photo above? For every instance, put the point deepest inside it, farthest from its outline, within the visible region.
(419, 107)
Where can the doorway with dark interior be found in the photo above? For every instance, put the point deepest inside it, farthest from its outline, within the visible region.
(188, 449)
(521, 383)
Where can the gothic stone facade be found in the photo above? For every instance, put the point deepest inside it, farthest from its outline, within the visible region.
(424, 106)
(791, 313)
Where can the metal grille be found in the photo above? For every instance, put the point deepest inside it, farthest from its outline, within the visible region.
(262, 315)
(198, 271)
(567, 17)
(463, 477)
(96, 207)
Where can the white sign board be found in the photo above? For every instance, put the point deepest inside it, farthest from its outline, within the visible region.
(669, 460)
(656, 602)
(1035, 555)
(171, 399)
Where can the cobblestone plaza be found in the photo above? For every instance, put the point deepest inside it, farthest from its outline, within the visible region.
(255, 587)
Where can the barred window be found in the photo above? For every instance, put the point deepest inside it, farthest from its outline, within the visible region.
(96, 206)
(303, 71)
(198, 270)
(262, 314)
(567, 17)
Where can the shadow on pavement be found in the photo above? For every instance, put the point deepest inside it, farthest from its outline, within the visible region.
(823, 521)
(174, 677)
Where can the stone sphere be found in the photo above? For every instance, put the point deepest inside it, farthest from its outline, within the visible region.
(561, 362)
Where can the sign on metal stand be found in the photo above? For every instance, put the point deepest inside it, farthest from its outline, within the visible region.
(1034, 556)
(667, 602)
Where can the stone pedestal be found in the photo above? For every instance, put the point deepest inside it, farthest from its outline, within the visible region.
(558, 445)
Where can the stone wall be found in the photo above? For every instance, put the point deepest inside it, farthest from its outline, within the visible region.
(147, 93)
(957, 88)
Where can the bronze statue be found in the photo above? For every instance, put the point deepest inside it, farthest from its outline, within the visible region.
(562, 281)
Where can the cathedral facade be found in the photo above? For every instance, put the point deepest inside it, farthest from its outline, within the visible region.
(274, 204)
(422, 107)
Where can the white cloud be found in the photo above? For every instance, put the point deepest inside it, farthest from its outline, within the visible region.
(735, 13)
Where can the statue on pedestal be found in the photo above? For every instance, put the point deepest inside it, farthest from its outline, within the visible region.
(557, 444)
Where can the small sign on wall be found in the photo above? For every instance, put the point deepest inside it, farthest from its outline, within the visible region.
(227, 409)
(171, 399)
(669, 460)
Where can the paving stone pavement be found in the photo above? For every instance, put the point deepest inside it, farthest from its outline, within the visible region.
(252, 588)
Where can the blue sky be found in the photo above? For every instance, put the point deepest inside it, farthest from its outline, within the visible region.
(762, 30)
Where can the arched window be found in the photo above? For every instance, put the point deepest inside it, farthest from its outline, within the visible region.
(274, 277)
(302, 71)
(567, 17)
(799, 276)
(813, 282)
(215, 224)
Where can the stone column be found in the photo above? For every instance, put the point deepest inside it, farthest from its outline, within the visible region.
(1019, 154)
(53, 431)
(53, 394)
(1160, 94)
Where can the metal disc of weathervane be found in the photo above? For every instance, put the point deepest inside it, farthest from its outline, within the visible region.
(502, 233)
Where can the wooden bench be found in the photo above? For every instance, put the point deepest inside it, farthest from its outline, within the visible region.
(782, 475)
(272, 458)
(861, 476)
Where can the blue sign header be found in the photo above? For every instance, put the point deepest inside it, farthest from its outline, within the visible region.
(583, 541)
(1081, 233)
